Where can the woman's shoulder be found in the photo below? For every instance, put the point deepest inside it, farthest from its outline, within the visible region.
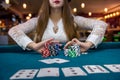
(78, 17)
(34, 18)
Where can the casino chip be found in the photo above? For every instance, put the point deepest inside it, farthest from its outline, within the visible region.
(50, 49)
(73, 51)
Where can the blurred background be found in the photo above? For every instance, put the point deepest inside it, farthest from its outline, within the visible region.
(14, 12)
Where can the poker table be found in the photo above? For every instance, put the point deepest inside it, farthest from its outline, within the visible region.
(13, 58)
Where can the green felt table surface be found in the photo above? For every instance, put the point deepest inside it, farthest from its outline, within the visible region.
(13, 58)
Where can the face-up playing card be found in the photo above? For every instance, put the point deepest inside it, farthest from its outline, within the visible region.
(25, 74)
(48, 72)
(113, 67)
(95, 69)
(54, 60)
(73, 71)
(47, 61)
(58, 60)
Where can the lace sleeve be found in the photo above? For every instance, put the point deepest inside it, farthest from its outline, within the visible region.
(98, 28)
(18, 33)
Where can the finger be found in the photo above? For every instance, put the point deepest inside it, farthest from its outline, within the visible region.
(40, 51)
(82, 44)
(82, 50)
(55, 41)
(75, 40)
(68, 44)
(45, 41)
(49, 40)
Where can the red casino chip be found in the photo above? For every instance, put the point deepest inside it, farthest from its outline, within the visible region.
(45, 53)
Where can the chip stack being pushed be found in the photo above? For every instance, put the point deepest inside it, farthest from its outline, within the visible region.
(72, 51)
(45, 51)
(54, 49)
(76, 49)
(50, 49)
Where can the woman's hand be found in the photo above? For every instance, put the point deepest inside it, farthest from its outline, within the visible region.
(39, 46)
(84, 46)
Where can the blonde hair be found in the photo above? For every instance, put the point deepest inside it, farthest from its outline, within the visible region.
(44, 15)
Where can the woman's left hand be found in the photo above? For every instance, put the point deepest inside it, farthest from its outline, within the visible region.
(84, 46)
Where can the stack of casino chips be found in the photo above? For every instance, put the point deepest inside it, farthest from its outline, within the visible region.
(54, 49)
(50, 49)
(72, 51)
(45, 51)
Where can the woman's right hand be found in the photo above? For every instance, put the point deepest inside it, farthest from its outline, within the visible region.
(84, 46)
(39, 46)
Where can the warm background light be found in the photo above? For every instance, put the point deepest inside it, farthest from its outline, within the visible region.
(117, 13)
(111, 15)
(90, 14)
(0, 22)
(114, 14)
(75, 10)
(82, 5)
(108, 16)
(7, 1)
(106, 9)
(24, 5)
(30, 15)
(105, 17)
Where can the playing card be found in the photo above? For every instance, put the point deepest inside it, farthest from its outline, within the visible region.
(47, 61)
(95, 69)
(25, 74)
(54, 60)
(58, 60)
(113, 67)
(73, 71)
(48, 72)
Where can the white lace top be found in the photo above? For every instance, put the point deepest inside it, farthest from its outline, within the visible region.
(18, 33)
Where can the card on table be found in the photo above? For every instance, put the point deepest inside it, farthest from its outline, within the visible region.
(25, 74)
(54, 60)
(48, 72)
(95, 69)
(113, 67)
(73, 71)
(47, 61)
(58, 60)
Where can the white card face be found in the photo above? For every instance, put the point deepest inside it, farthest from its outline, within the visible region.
(113, 67)
(47, 61)
(58, 60)
(48, 72)
(25, 74)
(95, 69)
(54, 60)
(73, 71)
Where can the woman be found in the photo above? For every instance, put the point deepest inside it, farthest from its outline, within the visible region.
(55, 20)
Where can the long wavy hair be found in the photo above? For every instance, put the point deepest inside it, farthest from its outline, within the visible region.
(44, 15)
